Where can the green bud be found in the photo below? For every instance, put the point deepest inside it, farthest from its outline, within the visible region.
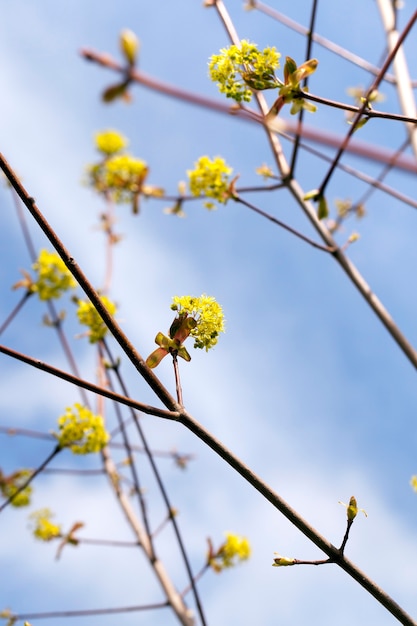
(352, 509)
(323, 209)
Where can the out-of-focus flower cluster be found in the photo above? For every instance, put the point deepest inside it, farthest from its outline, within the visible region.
(119, 176)
(43, 528)
(10, 485)
(234, 550)
(53, 277)
(210, 178)
(81, 430)
(88, 316)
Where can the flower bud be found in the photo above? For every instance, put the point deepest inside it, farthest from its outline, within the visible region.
(282, 561)
(129, 45)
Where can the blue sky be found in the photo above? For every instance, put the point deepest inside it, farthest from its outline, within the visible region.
(306, 385)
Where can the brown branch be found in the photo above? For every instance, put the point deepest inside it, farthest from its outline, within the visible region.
(102, 391)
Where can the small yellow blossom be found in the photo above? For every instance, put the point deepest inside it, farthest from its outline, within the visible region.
(207, 313)
(10, 485)
(81, 430)
(110, 141)
(44, 529)
(240, 69)
(88, 316)
(413, 482)
(210, 178)
(231, 552)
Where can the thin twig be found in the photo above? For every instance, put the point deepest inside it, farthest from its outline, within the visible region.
(278, 222)
(32, 476)
(310, 33)
(15, 311)
(87, 612)
(177, 380)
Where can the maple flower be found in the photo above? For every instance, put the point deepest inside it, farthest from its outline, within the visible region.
(88, 316)
(208, 315)
(202, 318)
(210, 177)
(238, 70)
(44, 529)
(234, 550)
(81, 430)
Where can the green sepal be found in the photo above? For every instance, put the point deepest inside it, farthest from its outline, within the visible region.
(183, 353)
(322, 209)
(289, 68)
(164, 341)
(115, 91)
(156, 357)
(305, 69)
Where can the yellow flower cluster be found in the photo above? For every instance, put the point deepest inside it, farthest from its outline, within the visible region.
(81, 430)
(207, 313)
(10, 485)
(210, 177)
(231, 552)
(240, 69)
(53, 276)
(413, 482)
(88, 316)
(44, 529)
(119, 176)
